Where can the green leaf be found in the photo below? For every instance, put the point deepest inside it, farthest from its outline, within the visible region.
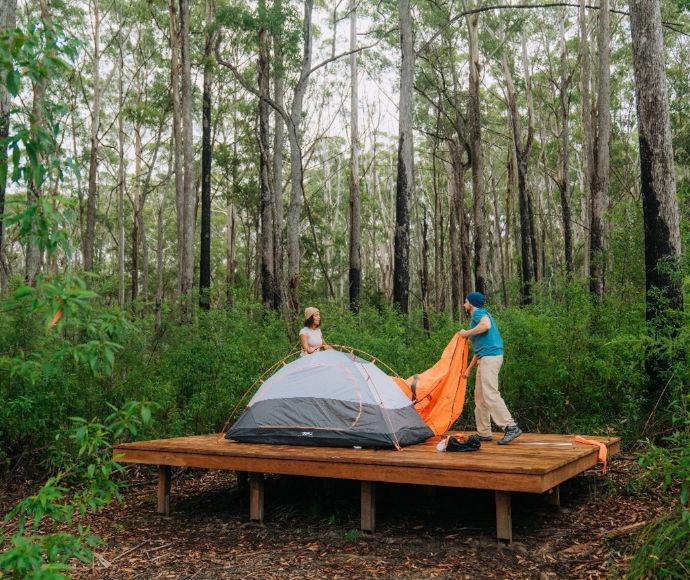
(23, 292)
(13, 82)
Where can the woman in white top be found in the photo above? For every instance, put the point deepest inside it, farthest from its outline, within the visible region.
(310, 336)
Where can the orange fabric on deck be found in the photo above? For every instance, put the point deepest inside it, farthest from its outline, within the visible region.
(440, 390)
(601, 455)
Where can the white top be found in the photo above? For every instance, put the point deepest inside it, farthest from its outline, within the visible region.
(314, 338)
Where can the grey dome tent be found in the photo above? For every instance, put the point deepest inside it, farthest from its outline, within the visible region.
(334, 399)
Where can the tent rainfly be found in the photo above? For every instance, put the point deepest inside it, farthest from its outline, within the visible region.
(330, 398)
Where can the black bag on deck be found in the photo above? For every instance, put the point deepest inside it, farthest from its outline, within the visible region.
(470, 444)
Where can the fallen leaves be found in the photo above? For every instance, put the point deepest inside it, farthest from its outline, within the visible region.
(452, 535)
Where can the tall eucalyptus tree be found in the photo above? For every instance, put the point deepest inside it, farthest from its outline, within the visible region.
(600, 179)
(522, 152)
(206, 156)
(476, 155)
(189, 196)
(563, 178)
(278, 145)
(8, 19)
(38, 120)
(177, 132)
(662, 242)
(586, 120)
(355, 276)
(404, 188)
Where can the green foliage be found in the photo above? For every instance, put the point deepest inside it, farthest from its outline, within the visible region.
(664, 545)
(35, 55)
(573, 366)
(353, 536)
(664, 550)
(85, 482)
(669, 463)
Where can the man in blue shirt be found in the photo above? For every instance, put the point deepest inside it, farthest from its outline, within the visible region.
(488, 358)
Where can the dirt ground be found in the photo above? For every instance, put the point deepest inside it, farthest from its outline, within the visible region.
(311, 530)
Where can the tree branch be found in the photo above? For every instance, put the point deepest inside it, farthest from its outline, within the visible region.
(674, 26)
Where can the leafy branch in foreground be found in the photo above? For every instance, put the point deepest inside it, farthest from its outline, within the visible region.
(33, 537)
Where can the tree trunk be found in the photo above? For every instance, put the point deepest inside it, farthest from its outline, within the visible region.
(587, 137)
(229, 252)
(600, 182)
(499, 243)
(522, 154)
(459, 234)
(529, 142)
(278, 145)
(267, 200)
(121, 186)
(160, 243)
(177, 133)
(564, 179)
(8, 20)
(33, 250)
(145, 190)
(405, 179)
(89, 238)
(660, 205)
(136, 221)
(453, 232)
(206, 155)
(355, 276)
(296, 172)
(477, 159)
(424, 276)
(438, 227)
(188, 153)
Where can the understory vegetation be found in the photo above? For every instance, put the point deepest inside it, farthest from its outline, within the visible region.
(571, 367)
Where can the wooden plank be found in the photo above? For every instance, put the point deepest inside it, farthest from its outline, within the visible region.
(532, 483)
(256, 497)
(368, 503)
(512, 458)
(164, 489)
(504, 524)
(553, 496)
(507, 468)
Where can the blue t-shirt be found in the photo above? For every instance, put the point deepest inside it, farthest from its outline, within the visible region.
(487, 343)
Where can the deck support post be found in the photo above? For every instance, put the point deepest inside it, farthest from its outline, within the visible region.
(368, 507)
(504, 525)
(256, 497)
(164, 489)
(553, 496)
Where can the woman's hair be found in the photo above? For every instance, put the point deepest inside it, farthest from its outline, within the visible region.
(310, 321)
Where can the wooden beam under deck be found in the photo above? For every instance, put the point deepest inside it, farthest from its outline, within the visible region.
(535, 463)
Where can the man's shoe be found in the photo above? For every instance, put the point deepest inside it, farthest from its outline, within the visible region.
(510, 433)
(484, 437)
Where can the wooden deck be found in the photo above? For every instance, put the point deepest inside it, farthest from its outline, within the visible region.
(534, 463)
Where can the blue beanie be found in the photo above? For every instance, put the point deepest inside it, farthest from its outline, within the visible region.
(476, 299)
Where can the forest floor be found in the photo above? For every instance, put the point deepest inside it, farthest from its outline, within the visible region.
(311, 530)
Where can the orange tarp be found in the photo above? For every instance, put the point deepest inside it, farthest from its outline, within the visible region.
(439, 392)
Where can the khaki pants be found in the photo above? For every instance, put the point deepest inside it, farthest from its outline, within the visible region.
(488, 403)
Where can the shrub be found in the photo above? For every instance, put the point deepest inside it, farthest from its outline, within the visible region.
(84, 483)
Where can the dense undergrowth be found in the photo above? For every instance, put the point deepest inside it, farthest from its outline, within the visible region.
(570, 367)
(560, 373)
